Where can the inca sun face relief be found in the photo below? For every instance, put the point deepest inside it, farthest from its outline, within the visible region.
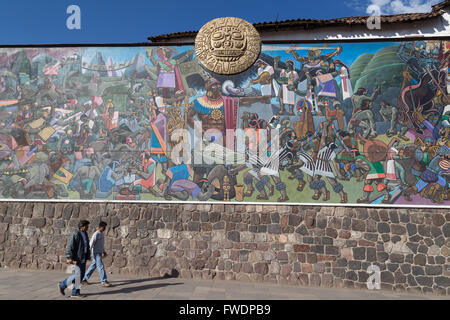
(227, 45)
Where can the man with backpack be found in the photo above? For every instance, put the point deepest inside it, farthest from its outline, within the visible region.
(77, 253)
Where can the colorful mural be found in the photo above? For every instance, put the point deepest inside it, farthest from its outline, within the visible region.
(351, 123)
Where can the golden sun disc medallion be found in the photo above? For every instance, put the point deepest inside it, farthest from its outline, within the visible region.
(216, 114)
(227, 45)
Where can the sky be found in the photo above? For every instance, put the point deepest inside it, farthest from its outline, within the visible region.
(132, 21)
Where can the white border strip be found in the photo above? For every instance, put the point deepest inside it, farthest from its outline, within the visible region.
(232, 203)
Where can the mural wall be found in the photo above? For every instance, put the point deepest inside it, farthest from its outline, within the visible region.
(322, 123)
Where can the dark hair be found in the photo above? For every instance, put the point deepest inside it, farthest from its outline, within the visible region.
(83, 223)
(360, 91)
(102, 224)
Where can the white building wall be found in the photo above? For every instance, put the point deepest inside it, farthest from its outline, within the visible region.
(433, 27)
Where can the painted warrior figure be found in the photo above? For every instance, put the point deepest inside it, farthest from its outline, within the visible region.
(394, 169)
(216, 113)
(334, 112)
(262, 170)
(320, 71)
(434, 174)
(362, 115)
(390, 113)
(305, 123)
(212, 110)
(168, 74)
(277, 157)
(346, 158)
(322, 167)
(319, 165)
(375, 153)
(253, 128)
(265, 76)
(288, 80)
(347, 89)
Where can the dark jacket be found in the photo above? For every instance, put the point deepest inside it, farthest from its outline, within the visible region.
(75, 248)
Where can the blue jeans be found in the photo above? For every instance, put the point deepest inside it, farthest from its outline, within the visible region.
(96, 262)
(64, 284)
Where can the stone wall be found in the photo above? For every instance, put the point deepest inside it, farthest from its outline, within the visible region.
(307, 246)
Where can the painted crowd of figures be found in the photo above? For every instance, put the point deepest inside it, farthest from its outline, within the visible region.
(356, 123)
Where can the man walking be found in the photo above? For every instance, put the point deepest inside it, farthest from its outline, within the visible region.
(97, 246)
(77, 253)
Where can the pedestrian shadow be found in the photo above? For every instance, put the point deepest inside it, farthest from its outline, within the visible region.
(133, 281)
(134, 289)
(118, 283)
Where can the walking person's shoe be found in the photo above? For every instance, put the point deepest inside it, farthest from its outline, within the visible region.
(61, 290)
(107, 284)
(78, 296)
(85, 283)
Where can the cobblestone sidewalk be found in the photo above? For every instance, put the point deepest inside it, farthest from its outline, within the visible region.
(32, 285)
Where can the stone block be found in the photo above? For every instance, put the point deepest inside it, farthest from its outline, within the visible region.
(274, 228)
(383, 227)
(359, 253)
(302, 230)
(233, 236)
(425, 281)
(398, 229)
(38, 209)
(433, 270)
(315, 280)
(294, 220)
(193, 226)
(442, 281)
(301, 248)
(446, 230)
(438, 219)
(37, 222)
(332, 250)
(358, 225)
(285, 270)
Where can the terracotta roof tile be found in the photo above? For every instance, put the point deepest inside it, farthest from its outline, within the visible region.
(317, 23)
